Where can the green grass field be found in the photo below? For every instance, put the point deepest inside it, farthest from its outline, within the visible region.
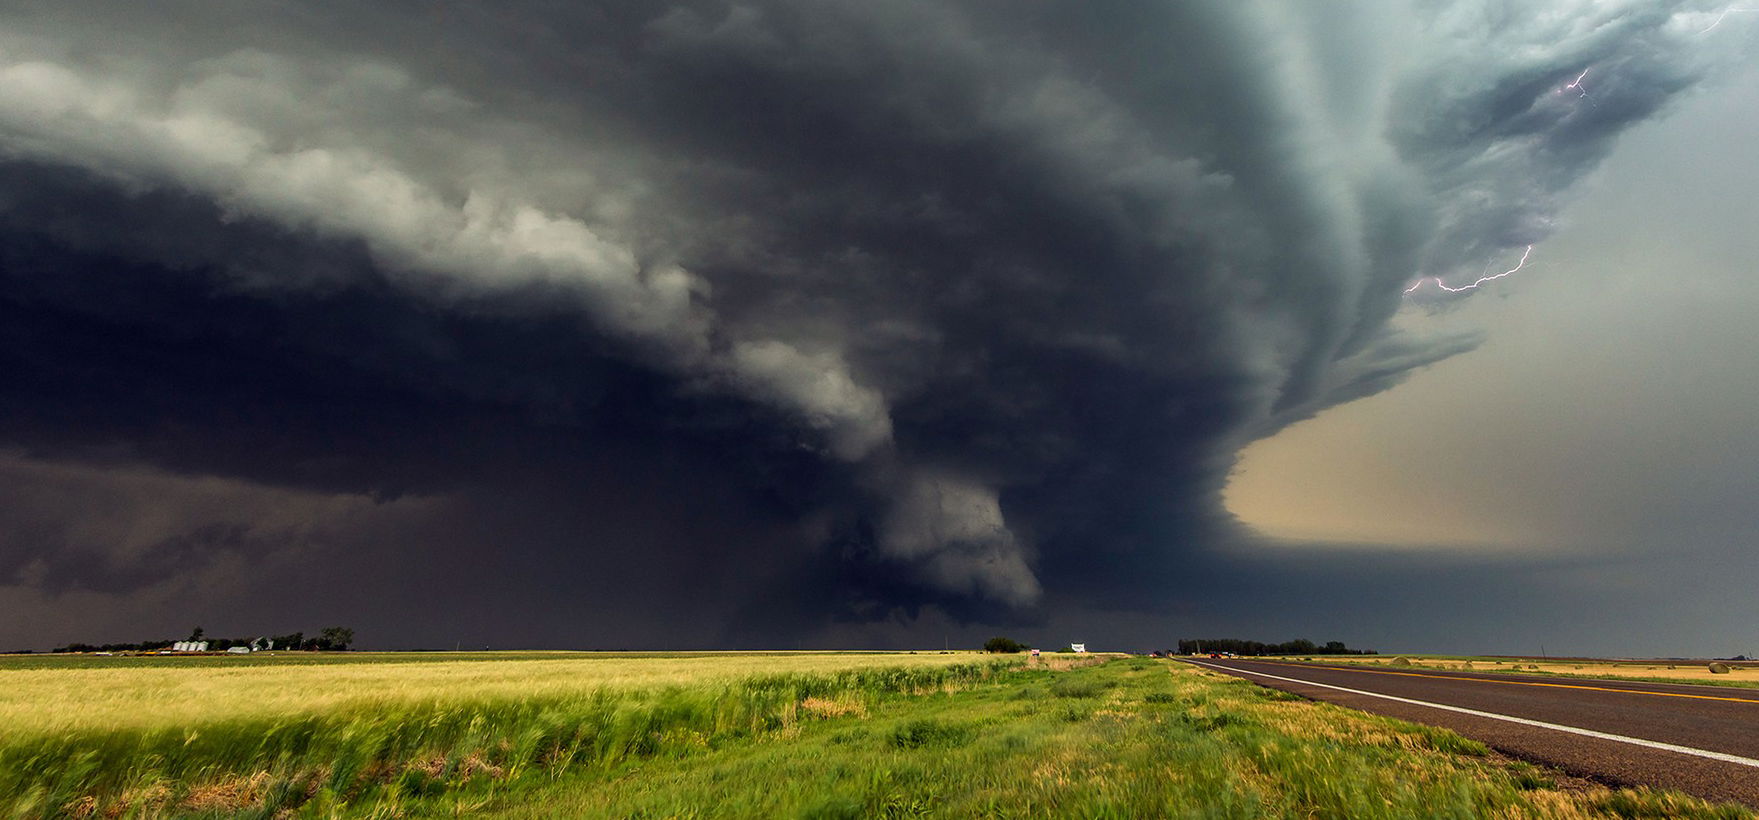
(737, 735)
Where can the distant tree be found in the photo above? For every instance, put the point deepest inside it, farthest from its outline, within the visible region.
(1296, 647)
(336, 637)
(1002, 646)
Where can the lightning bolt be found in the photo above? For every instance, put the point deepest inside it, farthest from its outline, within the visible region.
(1580, 89)
(1482, 278)
(1725, 12)
(1576, 84)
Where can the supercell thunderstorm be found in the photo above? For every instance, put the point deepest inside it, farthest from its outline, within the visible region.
(930, 302)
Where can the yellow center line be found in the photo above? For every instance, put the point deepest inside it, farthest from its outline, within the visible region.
(1512, 682)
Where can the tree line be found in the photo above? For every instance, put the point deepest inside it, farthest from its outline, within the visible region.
(331, 639)
(1301, 646)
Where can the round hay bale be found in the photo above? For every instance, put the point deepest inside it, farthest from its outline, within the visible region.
(1401, 661)
(1719, 668)
(1466, 665)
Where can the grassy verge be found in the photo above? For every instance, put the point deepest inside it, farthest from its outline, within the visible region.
(1126, 738)
(1132, 738)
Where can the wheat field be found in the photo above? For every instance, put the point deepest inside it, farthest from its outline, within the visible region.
(128, 693)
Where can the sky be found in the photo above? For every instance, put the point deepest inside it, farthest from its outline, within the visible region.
(880, 324)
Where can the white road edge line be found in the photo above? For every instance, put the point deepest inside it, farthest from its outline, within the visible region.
(1635, 741)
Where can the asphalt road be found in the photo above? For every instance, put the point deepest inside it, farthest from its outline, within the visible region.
(1703, 740)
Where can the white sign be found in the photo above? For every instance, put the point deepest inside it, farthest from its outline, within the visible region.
(1078, 647)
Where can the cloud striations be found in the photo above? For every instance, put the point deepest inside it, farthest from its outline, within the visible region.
(777, 312)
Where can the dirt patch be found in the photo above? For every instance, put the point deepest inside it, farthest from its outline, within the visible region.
(228, 795)
(829, 708)
(1056, 664)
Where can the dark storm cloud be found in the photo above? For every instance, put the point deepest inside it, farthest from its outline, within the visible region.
(1498, 147)
(893, 308)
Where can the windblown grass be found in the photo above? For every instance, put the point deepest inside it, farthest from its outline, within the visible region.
(1125, 738)
(1130, 739)
(340, 735)
(143, 693)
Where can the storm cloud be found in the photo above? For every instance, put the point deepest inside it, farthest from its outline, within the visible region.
(763, 315)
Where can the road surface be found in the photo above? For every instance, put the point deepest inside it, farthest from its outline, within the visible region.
(1703, 740)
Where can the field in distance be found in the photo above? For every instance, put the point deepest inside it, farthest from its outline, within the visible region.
(1741, 674)
(736, 735)
(63, 693)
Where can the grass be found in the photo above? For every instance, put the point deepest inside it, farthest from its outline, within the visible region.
(962, 737)
(278, 658)
(1129, 739)
(164, 739)
(37, 696)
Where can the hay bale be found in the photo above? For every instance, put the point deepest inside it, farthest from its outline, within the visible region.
(1719, 668)
(1401, 661)
(1466, 665)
